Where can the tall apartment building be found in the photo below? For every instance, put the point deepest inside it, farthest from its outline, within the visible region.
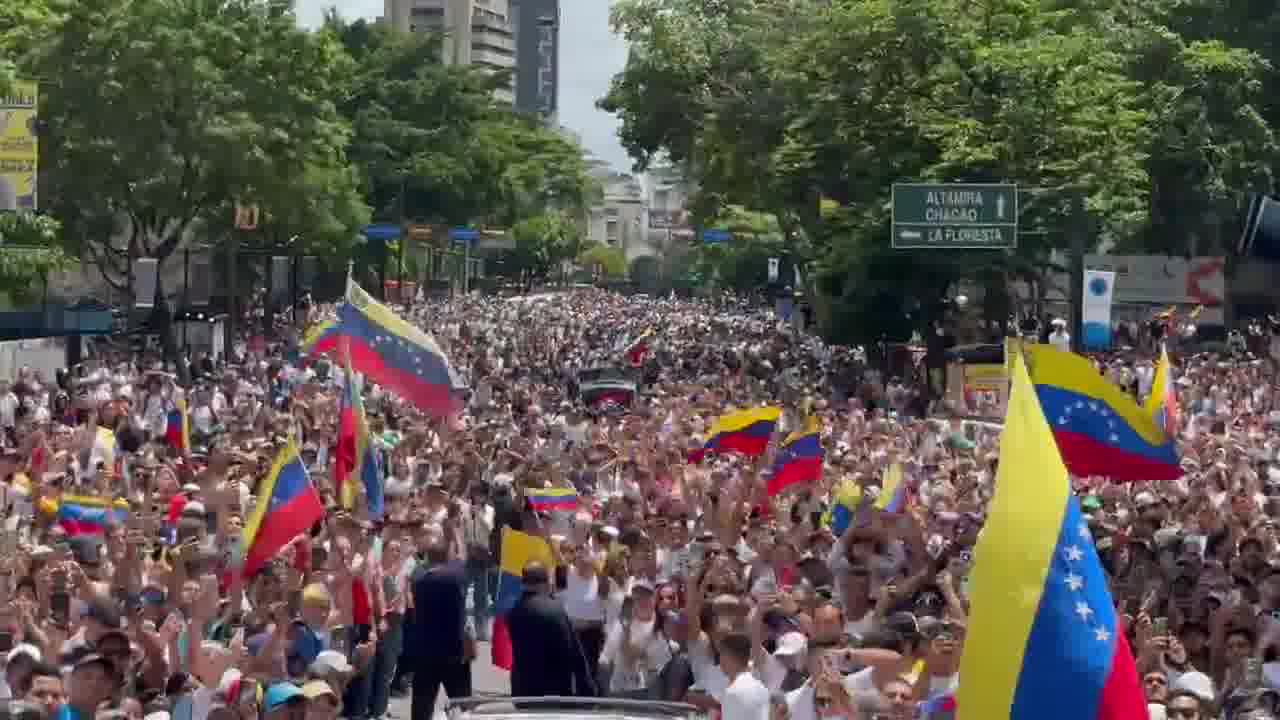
(476, 32)
(537, 28)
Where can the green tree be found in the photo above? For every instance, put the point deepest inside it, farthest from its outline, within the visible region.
(811, 111)
(194, 106)
(24, 24)
(543, 243)
(604, 261)
(30, 250)
(433, 145)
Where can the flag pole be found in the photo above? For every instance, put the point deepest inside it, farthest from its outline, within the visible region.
(350, 273)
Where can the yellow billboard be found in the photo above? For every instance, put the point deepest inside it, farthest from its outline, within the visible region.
(18, 147)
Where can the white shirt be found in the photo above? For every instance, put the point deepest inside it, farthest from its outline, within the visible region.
(800, 703)
(706, 673)
(746, 698)
(581, 597)
(8, 410)
(634, 674)
(201, 419)
(1060, 340)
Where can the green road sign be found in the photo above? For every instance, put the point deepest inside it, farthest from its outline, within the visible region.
(959, 215)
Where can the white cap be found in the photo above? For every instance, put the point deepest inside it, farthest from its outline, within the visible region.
(27, 649)
(791, 644)
(1196, 683)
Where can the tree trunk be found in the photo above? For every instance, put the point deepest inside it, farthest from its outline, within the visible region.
(162, 317)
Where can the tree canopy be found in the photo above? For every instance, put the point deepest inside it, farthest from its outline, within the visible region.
(1156, 117)
(158, 122)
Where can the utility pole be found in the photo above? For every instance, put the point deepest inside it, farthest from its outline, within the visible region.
(1078, 226)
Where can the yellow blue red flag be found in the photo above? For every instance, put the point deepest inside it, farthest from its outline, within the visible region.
(1044, 641)
(1100, 430)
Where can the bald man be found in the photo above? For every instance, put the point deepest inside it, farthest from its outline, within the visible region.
(547, 659)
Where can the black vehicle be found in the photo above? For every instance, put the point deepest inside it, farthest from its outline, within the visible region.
(599, 387)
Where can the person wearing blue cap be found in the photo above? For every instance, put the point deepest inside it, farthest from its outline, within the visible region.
(284, 701)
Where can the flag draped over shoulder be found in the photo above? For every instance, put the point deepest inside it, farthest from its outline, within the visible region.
(1044, 641)
(799, 459)
(518, 550)
(1098, 428)
(288, 505)
(742, 431)
(388, 351)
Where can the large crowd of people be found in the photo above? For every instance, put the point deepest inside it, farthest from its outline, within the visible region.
(668, 581)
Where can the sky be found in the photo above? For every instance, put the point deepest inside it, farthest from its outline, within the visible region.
(589, 56)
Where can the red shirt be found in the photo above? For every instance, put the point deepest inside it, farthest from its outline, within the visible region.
(361, 608)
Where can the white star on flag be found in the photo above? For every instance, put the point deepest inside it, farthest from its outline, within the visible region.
(1084, 532)
(1101, 634)
(1074, 553)
(1083, 610)
(1114, 438)
(1074, 581)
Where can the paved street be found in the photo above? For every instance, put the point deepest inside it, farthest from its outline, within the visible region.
(486, 679)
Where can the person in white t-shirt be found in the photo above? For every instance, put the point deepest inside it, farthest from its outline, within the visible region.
(1059, 337)
(746, 698)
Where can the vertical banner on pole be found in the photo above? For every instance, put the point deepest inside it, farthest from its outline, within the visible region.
(773, 270)
(1099, 289)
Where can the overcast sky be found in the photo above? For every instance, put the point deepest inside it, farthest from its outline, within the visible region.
(589, 56)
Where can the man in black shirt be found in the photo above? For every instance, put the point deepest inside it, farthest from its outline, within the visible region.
(547, 659)
(437, 647)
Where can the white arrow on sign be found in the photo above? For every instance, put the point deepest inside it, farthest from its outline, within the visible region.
(1000, 206)
(909, 235)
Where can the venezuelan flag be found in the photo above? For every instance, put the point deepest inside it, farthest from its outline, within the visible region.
(1043, 640)
(288, 505)
(636, 349)
(85, 515)
(847, 503)
(1100, 430)
(177, 431)
(355, 458)
(518, 550)
(389, 351)
(799, 459)
(741, 431)
(894, 490)
(554, 498)
(1162, 403)
(942, 707)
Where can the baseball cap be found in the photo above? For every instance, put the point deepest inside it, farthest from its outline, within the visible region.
(318, 688)
(93, 658)
(792, 643)
(27, 649)
(330, 661)
(281, 694)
